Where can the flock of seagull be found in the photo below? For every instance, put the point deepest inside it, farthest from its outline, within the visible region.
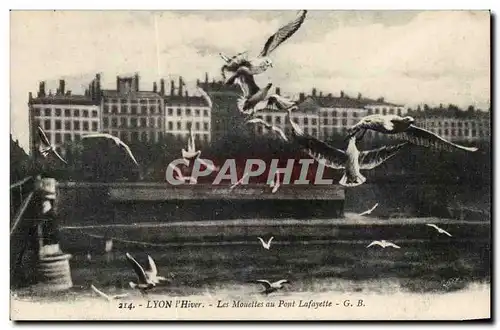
(254, 99)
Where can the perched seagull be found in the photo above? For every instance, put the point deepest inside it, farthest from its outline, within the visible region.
(271, 287)
(191, 152)
(403, 128)
(276, 129)
(116, 140)
(370, 210)
(267, 245)
(252, 93)
(440, 230)
(351, 160)
(143, 283)
(263, 62)
(152, 273)
(108, 297)
(384, 244)
(46, 148)
(240, 181)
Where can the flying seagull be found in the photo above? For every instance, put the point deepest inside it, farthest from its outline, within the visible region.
(351, 160)
(384, 244)
(262, 62)
(403, 128)
(370, 210)
(46, 148)
(119, 143)
(440, 230)
(252, 93)
(267, 245)
(191, 151)
(152, 273)
(107, 297)
(271, 287)
(143, 283)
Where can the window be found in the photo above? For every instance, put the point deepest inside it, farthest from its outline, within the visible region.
(58, 124)
(446, 124)
(152, 109)
(134, 136)
(37, 112)
(76, 125)
(123, 122)
(440, 131)
(85, 113)
(77, 137)
(143, 101)
(306, 120)
(269, 118)
(170, 126)
(334, 121)
(85, 125)
(133, 122)
(143, 122)
(314, 132)
(205, 113)
(94, 126)
(459, 132)
(179, 126)
(58, 112)
(452, 124)
(94, 113)
(170, 111)
(67, 137)
(197, 126)
(306, 130)
(114, 122)
(205, 126)
(189, 125)
(58, 137)
(67, 125)
(205, 137)
(197, 112)
(333, 114)
(123, 101)
(188, 112)
(391, 111)
(114, 109)
(473, 132)
(466, 132)
(133, 110)
(344, 122)
(151, 122)
(76, 113)
(446, 132)
(179, 112)
(277, 120)
(47, 124)
(144, 109)
(105, 122)
(453, 132)
(144, 136)
(47, 112)
(344, 114)
(106, 109)
(158, 122)
(325, 121)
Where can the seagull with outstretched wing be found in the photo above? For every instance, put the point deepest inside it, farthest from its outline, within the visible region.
(152, 273)
(143, 283)
(252, 93)
(266, 245)
(262, 62)
(403, 128)
(108, 297)
(45, 147)
(271, 287)
(440, 230)
(369, 211)
(119, 143)
(384, 244)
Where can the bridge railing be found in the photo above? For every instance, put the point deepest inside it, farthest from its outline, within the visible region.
(21, 194)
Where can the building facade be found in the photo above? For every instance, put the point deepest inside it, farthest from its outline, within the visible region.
(63, 116)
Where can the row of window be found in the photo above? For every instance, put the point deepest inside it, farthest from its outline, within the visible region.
(67, 124)
(453, 124)
(145, 136)
(133, 101)
(307, 121)
(153, 109)
(334, 113)
(58, 112)
(60, 138)
(179, 126)
(125, 122)
(385, 111)
(187, 112)
(459, 132)
(205, 137)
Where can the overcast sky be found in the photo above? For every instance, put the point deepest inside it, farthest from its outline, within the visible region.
(408, 57)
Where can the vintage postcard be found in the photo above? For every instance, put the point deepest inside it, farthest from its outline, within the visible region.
(250, 165)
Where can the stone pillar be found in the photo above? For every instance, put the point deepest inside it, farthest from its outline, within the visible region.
(53, 268)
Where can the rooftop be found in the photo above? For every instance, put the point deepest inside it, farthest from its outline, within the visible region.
(107, 93)
(64, 100)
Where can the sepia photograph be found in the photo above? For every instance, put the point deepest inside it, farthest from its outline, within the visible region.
(231, 165)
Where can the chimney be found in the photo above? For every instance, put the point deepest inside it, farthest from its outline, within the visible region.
(180, 86)
(314, 92)
(320, 94)
(186, 94)
(136, 82)
(30, 96)
(206, 78)
(86, 92)
(92, 90)
(62, 84)
(162, 86)
(330, 95)
(98, 83)
(155, 87)
(359, 96)
(117, 83)
(41, 89)
(301, 97)
(172, 87)
(278, 91)
(197, 82)
(342, 94)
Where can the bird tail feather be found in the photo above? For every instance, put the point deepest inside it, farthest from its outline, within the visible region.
(352, 181)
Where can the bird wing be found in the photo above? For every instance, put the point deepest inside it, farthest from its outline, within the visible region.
(43, 137)
(447, 233)
(370, 210)
(99, 292)
(372, 158)
(283, 34)
(98, 135)
(129, 152)
(276, 101)
(261, 240)
(59, 156)
(393, 245)
(141, 274)
(421, 137)
(270, 240)
(276, 129)
(432, 225)
(244, 78)
(374, 243)
(278, 283)
(266, 283)
(205, 97)
(152, 266)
